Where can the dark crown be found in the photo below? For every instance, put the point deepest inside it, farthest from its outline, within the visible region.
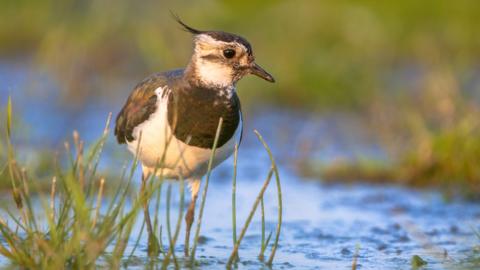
(217, 35)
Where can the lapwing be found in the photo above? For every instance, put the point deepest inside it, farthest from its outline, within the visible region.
(170, 119)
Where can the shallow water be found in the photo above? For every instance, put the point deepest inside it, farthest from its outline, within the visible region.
(323, 224)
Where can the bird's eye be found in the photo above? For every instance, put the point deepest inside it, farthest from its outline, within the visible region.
(228, 53)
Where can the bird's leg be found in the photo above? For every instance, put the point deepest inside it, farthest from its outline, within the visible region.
(190, 216)
(153, 246)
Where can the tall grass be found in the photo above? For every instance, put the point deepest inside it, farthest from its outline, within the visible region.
(67, 229)
(76, 225)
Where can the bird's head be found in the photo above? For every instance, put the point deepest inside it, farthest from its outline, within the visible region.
(221, 58)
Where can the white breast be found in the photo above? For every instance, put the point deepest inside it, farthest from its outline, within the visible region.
(158, 144)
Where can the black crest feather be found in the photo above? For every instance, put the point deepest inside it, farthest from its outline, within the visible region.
(185, 26)
(218, 35)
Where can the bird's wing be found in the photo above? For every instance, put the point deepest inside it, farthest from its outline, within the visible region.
(141, 103)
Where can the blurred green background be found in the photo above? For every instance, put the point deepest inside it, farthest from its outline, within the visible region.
(325, 54)
(410, 69)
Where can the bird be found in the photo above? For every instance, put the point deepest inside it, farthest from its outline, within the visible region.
(170, 119)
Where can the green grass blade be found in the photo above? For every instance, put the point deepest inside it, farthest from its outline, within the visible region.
(279, 196)
(171, 247)
(234, 192)
(263, 242)
(233, 255)
(204, 194)
(137, 242)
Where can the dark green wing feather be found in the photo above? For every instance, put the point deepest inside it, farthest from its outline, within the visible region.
(141, 103)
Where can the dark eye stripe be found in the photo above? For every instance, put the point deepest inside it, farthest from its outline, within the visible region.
(211, 57)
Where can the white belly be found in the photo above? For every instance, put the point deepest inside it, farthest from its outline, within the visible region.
(159, 149)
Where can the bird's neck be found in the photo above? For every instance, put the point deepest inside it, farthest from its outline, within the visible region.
(208, 74)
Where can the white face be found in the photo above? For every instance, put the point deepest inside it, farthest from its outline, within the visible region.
(220, 63)
(212, 73)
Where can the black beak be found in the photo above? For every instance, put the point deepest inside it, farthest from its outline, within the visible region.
(260, 72)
